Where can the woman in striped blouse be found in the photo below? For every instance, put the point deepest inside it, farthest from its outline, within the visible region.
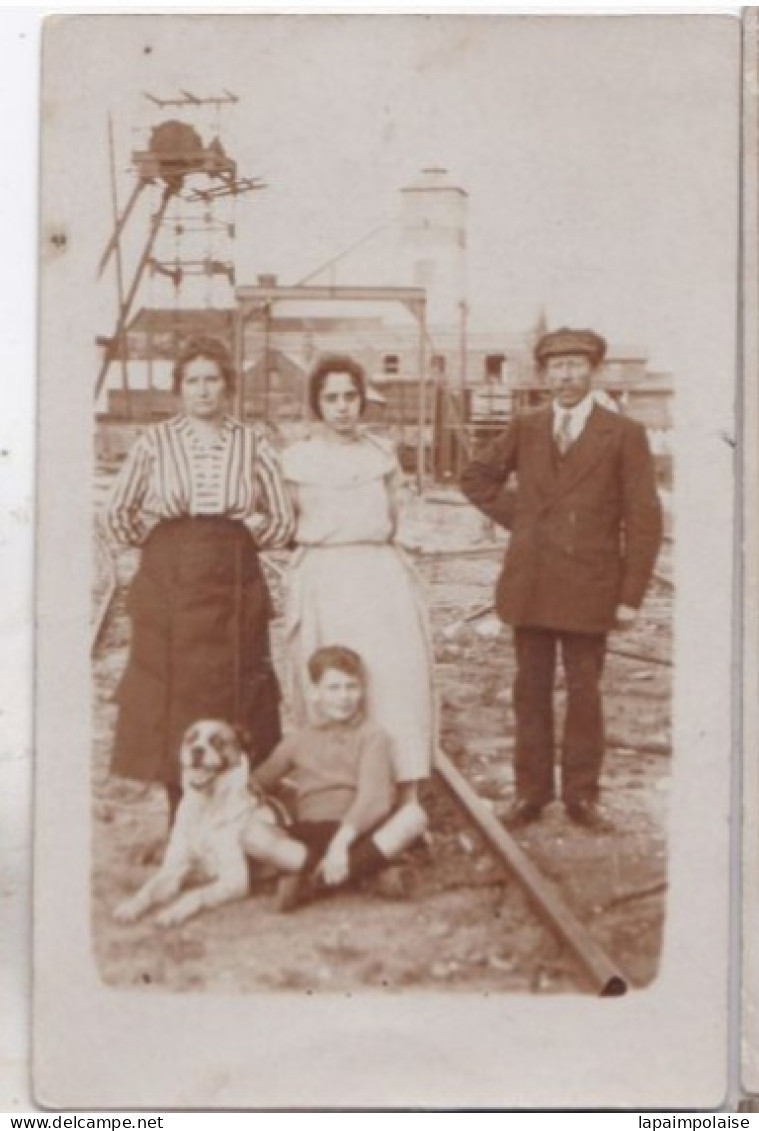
(201, 494)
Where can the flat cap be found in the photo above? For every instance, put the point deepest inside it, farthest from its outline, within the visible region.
(561, 342)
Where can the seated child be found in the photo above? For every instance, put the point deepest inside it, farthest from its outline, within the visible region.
(342, 771)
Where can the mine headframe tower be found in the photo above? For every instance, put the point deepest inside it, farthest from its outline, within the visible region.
(186, 235)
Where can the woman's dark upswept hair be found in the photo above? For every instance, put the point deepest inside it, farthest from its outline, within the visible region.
(335, 657)
(213, 350)
(335, 363)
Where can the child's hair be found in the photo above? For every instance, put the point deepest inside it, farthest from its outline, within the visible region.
(336, 658)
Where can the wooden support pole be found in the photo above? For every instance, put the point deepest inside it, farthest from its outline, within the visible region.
(606, 977)
(640, 657)
(421, 441)
(121, 222)
(126, 307)
(121, 342)
(238, 346)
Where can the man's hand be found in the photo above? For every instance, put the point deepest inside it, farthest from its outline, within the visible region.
(625, 617)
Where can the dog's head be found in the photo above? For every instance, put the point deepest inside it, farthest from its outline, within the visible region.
(210, 748)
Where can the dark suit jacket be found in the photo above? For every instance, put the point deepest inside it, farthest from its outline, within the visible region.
(586, 529)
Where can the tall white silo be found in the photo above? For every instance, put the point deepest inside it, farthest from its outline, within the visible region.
(433, 239)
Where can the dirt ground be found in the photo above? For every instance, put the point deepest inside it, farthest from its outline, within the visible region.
(464, 923)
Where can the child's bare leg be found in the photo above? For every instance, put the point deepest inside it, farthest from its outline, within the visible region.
(273, 846)
(374, 852)
(407, 791)
(400, 830)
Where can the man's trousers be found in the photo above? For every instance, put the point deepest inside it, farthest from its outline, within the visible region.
(583, 741)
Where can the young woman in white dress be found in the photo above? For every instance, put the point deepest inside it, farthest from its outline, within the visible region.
(349, 582)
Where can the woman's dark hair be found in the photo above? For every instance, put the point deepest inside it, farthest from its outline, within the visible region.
(336, 658)
(335, 363)
(211, 349)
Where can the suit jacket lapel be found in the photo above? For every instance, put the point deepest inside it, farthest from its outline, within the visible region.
(545, 454)
(583, 455)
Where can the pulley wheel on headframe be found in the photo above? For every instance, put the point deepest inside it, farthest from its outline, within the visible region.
(177, 148)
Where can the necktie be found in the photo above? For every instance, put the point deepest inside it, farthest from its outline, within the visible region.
(564, 438)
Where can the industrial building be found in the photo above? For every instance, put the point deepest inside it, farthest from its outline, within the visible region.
(398, 302)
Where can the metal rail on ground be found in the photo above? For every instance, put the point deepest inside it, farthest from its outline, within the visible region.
(606, 977)
(500, 547)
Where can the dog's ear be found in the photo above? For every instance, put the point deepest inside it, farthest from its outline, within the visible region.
(247, 745)
(190, 735)
(244, 740)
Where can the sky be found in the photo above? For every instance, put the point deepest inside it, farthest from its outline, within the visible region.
(599, 154)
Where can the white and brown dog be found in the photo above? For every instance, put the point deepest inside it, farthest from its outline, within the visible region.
(217, 814)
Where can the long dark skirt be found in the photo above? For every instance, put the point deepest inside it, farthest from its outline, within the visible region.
(200, 614)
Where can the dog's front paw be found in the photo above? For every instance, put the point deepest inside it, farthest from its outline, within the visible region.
(172, 916)
(127, 912)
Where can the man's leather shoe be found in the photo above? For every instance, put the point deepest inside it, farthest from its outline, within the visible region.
(587, 814)
(521, 813)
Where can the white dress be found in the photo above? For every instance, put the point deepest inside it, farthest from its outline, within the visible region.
(350, 584)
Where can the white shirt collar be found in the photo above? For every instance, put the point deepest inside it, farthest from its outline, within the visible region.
(579, 414)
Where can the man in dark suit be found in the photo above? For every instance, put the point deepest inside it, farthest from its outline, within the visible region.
(585, 522)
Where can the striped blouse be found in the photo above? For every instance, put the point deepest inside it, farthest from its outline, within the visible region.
(171, 472)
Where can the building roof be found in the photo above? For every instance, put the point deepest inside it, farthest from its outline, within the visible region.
(182, 320)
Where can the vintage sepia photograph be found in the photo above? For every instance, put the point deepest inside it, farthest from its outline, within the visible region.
(388, 378)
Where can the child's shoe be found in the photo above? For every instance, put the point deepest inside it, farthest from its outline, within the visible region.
(289, 892)
(296, 888)
(391, 883)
